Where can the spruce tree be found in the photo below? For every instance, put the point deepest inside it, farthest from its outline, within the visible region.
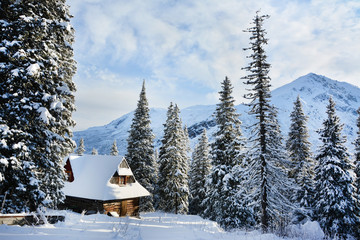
(163, 163)
(173, 189)
(334, 202)
(357, 172)
(81, 148)
(140, 150)
(281, 188)
(19, 185)
(266, 170)
(302, 169)
(227, 152)
(114, 151)
(37, 99)
(199, 170)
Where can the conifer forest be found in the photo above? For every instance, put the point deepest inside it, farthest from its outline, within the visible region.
(266, 181)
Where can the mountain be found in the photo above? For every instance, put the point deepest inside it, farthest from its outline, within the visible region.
(314, 91)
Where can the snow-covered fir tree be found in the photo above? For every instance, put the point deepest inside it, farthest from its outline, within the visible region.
(173, 189)
(281, 187)
(266, 171)
(334, 202)
(114, 150)
(94, 151)
(81, 148)
(227, 152)
(140, 150)
(199, 170)
(357, 171)
(37, 101)
(163, 163)
(19, 185)
(302, 169)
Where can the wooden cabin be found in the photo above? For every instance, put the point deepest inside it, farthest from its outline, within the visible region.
(102, 183)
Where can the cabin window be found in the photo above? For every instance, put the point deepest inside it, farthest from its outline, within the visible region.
(122, 180)
(130, 179)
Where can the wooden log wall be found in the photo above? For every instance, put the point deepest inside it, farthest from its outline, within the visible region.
(80, 204)
(128, 207)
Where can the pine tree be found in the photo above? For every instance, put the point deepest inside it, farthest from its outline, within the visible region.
(357, 173)
(302, 171)
(173, 189)
(227, 152)
(81, 148)
(114, 151)
(37, 100)
(199, 171)
(140, 150)
(94, 151)
(266, 171)
(335, 205)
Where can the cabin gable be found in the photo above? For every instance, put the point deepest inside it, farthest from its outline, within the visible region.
(121, 180)
(68, 171)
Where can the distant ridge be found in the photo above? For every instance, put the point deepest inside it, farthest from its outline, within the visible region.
(314, 91)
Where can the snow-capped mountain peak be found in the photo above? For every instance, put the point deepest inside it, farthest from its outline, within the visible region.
(314, 91)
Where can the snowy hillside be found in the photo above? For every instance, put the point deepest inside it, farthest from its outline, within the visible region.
(313, 89)
(151, 226)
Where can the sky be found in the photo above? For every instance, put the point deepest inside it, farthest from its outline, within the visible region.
(183, 49)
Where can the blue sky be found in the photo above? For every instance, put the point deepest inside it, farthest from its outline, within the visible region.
(184, 49)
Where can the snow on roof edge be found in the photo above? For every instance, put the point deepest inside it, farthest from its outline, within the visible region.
(92, 174)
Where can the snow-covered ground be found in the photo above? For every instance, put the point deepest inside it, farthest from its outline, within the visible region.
(151, 226)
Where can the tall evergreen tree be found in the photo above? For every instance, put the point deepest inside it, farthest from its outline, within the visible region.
(267, 156)
(227, 152)
(173, 192)
(163, 163)
(37, 100)
(199, 170)
(298, 147)
(81, 148)
(140, 150)
(357, 172)
(335, 205)
(114, 150)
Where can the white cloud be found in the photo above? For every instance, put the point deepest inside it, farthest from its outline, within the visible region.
(184, 49)
(317, 37)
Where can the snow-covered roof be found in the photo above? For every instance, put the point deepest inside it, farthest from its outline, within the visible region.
(92, 174)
